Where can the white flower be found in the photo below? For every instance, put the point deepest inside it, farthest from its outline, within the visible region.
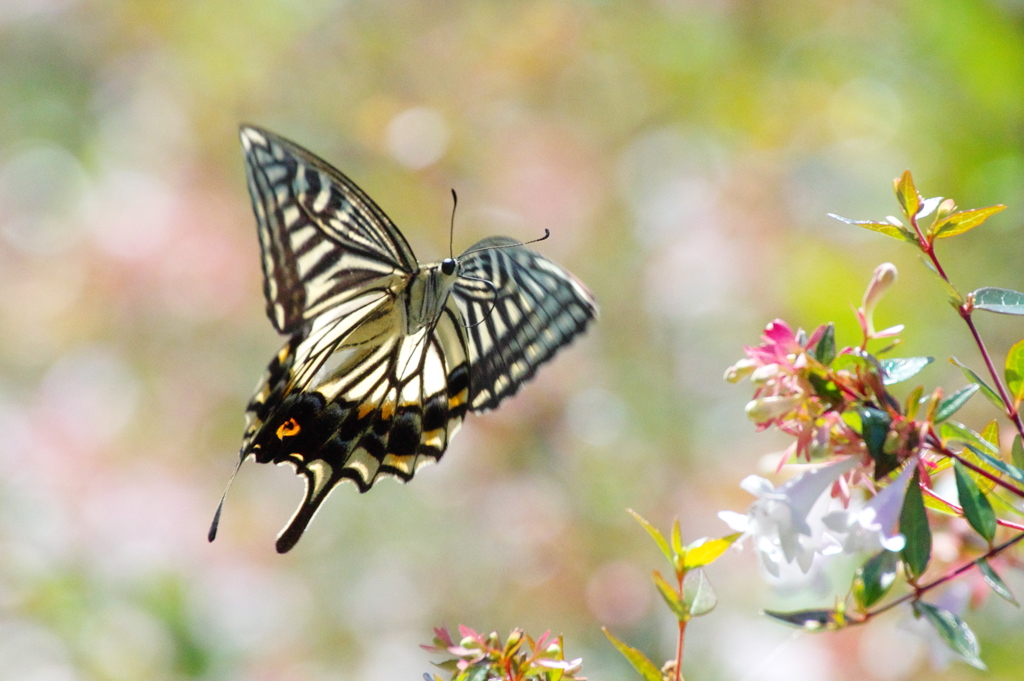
(875, 525)
(763, 374)
(777, 521)
(772, 407)
(742, 368)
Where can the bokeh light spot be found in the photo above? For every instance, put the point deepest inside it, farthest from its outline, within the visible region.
(418, 137)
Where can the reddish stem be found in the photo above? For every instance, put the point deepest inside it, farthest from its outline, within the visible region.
(682, 632)
(965, 314)
(928, 247)
(1011, 410)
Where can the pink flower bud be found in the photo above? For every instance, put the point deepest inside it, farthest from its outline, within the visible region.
(883, 277)
(945, 208)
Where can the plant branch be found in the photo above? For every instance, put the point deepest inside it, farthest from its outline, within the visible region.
(1011, 411)
(680, 574)
(920, 590)
(965, 311)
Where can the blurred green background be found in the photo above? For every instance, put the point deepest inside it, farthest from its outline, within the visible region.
(683, 154)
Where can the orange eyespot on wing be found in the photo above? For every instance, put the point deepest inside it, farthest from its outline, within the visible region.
(288, 429)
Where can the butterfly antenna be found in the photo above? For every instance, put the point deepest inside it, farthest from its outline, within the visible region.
(494, 303)
(451, 230)
(547, 233)
(220, 507)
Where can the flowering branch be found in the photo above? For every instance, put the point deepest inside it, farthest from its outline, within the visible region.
(518, 658)
(863, 442)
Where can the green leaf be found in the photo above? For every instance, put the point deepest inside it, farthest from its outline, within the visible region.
(1004, 506)
(874, 578)
(988, 392)
(886, 228)
(995, 582)
(914, 402)
(971, 455)
(698, 594)
(450, 666)
(962, 221)
(940, 505)
(1017, 452)
(914, 527)
(811, 620)
(671, 597)
(477, 672)
(1015, 372)
(954, 631)
(952, 404)
(635, 658)
(677, 538)
(1007, 469)
(824, 388)
(825, 349)
(977, 510)
(874, 428)
(901, 369)
(708, 551)
(906, 194)
(958, 432)
(999, 300)
(990, 433)
(659, 539)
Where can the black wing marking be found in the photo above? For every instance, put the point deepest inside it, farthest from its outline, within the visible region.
(534, 308)
(391, 405)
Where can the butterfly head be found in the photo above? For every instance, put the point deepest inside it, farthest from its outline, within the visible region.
(448, 266)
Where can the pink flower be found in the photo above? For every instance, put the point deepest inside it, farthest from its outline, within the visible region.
(781, 370)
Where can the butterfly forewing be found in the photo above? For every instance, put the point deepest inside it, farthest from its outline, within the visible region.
(321, 237)
(385, 356)
(534, 308)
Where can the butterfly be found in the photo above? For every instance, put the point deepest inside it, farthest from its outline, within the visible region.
(384, 355)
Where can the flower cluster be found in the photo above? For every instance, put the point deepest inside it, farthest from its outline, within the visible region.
(518, 658)
(797, 393)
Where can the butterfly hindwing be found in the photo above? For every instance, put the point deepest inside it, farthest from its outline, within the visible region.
(383, 411)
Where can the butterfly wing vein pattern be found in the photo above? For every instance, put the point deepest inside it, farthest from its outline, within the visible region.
(538, 308)
(384, 355)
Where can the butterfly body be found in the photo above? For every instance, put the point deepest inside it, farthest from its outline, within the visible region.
(385, 355)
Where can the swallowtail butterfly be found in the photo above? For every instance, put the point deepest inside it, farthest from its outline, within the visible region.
(384, 355)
